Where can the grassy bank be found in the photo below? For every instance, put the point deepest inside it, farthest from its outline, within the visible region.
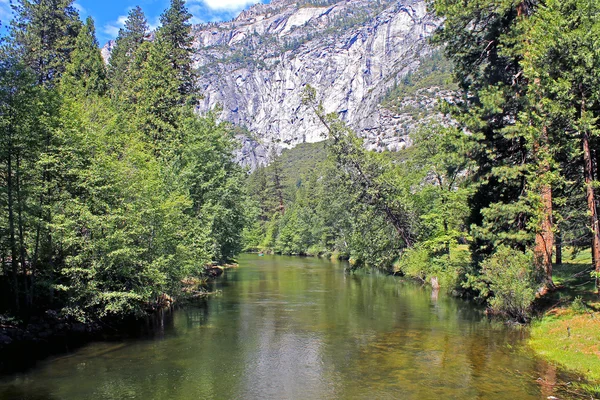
(570, 339)
(568, 333)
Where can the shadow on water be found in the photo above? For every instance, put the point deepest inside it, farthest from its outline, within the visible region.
(16, 392)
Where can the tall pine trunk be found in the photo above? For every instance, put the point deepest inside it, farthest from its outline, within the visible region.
(544, 237)
(558, 247)
(588, 171)
(591, 204)
(11, 223)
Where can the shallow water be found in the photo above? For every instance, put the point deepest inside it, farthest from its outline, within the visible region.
(299, 328)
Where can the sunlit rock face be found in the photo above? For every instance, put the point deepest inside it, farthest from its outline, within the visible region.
(254, 69)
(106, 50)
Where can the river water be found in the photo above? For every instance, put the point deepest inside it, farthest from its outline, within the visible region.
(300, 328)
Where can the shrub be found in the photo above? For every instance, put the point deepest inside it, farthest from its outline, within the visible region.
(421, 263)
(508, 283)
(414, 263)
(578, 305)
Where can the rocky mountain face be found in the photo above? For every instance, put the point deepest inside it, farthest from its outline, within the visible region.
(253, 70)
(106, 51)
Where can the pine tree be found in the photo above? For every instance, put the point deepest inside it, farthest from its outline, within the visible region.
(175, 33)
(45, 31)
(85, 75)
(157, 100)
(512, 203)
(562, 59)
(128, 42)
(165, 83)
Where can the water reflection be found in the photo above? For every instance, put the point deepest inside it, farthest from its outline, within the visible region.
(291, 328)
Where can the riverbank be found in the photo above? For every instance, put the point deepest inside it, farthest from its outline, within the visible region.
(567, 333)
(23, 342)
(571, 340)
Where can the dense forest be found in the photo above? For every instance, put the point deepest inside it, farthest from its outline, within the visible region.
(484, 205)
(112, 190)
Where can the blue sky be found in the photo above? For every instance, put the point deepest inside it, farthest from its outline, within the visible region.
(109, 15)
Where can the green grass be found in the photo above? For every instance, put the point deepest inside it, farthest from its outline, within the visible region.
(573, 277)
(578, 351)
(569, 333)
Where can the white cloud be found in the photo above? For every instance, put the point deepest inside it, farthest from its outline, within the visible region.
(229, 5)
(112, 29)
(154, 23)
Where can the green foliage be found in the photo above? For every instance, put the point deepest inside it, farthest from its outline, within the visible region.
(44, 34)
(85, 74)
(479, 39)
(425, 264)
(28, 111)
(337, 204)
(174, 34)
(164, 79)
(507, 277)
(126, 232)
(124, 55)
(109, 202)
(578, 305)
(215, 184)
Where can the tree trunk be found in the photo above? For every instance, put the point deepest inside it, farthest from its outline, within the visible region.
(29, 294)
(11, 226)
(544, 238)
(558, 247)
(591, 203)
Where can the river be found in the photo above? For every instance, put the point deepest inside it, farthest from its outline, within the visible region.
(300, 328)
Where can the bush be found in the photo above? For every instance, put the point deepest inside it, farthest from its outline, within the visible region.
(421, 263)
(508, 283)
(578, 305)
(316, 251)
(414, 263)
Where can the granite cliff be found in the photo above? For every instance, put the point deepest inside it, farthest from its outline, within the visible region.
(253, 69)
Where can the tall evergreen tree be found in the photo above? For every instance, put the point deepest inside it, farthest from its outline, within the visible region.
(86, 74)
(563, 61)
(45, 32)
(156, 90)
(166, 80)
(513, 200)
(128, 42)
(175, 33)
